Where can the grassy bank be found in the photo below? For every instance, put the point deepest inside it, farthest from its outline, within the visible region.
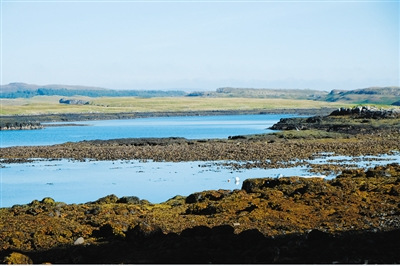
(50, 104)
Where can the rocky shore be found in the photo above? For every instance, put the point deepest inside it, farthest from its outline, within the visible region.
(354, 218)
(338, 135)
(275, 151)
(68, 117)
(347, 120)
(20, 126)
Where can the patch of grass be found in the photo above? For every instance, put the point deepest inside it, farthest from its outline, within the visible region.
(50, 104)
(309, 134)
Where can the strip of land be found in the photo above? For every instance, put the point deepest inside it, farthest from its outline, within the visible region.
(302, 138)
(40, 105)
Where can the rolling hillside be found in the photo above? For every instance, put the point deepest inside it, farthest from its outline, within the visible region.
(298, 94)
(23, 90)
(371, 95)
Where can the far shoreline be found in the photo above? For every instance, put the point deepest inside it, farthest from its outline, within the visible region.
(73, 117)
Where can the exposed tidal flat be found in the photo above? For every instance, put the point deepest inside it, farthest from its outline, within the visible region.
(351, 217)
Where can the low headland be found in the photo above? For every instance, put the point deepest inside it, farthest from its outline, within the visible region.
(353, 218)
(34, 121)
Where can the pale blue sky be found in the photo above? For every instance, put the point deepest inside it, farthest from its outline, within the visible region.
(201, 45)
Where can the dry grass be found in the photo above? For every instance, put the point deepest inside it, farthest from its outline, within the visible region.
(50, 104)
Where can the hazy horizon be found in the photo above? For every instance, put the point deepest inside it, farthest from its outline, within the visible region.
(201, 45)
(185, 89)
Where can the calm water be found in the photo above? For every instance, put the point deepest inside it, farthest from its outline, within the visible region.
(190, 127)
(79, 182)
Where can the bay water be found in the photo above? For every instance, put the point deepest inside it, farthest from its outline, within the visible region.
(190, 127)
(73, 181)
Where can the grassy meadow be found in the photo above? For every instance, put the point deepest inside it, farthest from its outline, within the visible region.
(51, 105)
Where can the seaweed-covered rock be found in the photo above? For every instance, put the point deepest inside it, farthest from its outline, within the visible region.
(144, 230)
(212, 195)
(17, 258)
(107, 199)
(129, 199)
(48, 201)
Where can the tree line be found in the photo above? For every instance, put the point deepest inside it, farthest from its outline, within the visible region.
(91, 93)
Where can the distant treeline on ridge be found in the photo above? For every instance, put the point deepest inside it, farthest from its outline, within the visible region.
(91, 93)
(389, 95)
(22, 90)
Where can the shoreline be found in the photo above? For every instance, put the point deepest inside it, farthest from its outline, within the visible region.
(350, 134)
(71, 117)
(352, 218)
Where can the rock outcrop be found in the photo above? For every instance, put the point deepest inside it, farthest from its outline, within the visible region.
(367, 112)
(20, 126)
(73, 101)
(346, 120)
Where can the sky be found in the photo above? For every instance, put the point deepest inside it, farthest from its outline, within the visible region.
(201, 45)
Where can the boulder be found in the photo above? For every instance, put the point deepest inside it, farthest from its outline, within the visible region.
(73, 101)
(17, 258)
(129, 199)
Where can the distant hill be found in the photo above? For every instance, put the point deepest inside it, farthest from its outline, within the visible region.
(18, 86)
(23, 90)
(299, 94)
(372, 95)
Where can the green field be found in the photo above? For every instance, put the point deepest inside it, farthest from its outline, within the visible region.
(51, 105)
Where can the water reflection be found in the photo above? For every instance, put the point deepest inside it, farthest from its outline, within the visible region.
(190, 127)
(79, 182)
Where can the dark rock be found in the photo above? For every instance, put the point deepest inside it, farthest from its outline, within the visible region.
(237, 137)
(93, 211)
(17, 258)
(202, 209)
(73, 101)
(354, 173)
(105, 231)
(251, 236)
(197, 231)
(314, 119)
(250, 208)
(258, 184)
(144, 230)
(129, 199)
(222, 230)
(316, 235)
(207, 195)
(367, 112)
(107, 199)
